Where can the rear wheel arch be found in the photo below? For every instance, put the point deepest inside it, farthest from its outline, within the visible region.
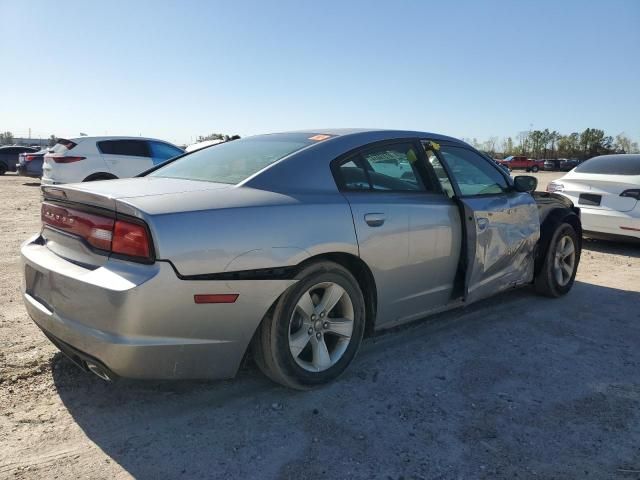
(363, 275)
(100, 176)
(361, 272)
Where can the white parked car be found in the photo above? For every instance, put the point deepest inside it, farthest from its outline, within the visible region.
(102, 158)
(607, 190)
(200, 145)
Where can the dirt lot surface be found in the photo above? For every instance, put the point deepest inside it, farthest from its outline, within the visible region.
(518, 386)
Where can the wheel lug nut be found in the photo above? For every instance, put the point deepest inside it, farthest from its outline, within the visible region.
(325, 325)
(313, 317)
(321, 314)
(310, 331)
(318, 335)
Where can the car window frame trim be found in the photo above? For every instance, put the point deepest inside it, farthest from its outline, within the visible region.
(355, 153)
(454, 182)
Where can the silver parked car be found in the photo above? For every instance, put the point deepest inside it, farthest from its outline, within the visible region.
(292, 246)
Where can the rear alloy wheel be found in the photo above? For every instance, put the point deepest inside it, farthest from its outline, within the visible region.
(315, 329)
(558, 272)
(535, 169)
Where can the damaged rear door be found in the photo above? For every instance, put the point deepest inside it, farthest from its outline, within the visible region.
(501, 225)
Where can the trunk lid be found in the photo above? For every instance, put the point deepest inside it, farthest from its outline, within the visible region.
(153, 200)
(600, 193)
(120, 195)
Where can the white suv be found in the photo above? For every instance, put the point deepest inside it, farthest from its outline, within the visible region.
(102, 158)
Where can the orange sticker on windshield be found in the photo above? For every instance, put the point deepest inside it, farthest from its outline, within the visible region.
(317, 138)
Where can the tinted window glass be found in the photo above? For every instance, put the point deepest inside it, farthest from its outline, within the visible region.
(386, 168)
(611, 165)
(62, 145)
(439, 170)
(233, 162)
(164, 151)
(354, 176)
(473, 174)
(132, 148)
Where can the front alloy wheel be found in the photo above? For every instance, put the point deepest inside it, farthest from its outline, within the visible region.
(560, 263)
(564, 260)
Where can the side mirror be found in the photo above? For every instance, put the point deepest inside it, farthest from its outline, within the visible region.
(525, 183)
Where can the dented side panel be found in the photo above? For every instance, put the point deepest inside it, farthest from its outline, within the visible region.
(502, 232)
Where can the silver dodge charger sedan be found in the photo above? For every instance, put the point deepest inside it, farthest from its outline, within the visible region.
(290, 246)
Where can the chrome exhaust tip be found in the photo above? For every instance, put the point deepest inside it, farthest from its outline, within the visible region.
(98, 370)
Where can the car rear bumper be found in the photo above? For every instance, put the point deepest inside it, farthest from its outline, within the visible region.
(610, 222)
(141, 321)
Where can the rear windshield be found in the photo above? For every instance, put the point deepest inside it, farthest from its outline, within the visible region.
(611, 165)
(234, 161)
(62, 146)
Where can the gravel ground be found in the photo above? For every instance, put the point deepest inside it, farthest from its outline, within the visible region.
(517, 386)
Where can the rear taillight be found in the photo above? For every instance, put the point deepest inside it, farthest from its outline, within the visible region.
(65, 159)
(28, 158)
(104, 233)
(130, 239)
(95, 229)
(633, 193)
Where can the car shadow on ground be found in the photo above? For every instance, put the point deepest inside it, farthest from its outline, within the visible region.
(517, 385)
(628, 249)
(31, 184)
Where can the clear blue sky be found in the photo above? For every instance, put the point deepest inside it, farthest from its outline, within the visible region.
(179, 69)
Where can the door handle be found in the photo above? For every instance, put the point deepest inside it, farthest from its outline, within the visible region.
(374, 219)
(483, 223)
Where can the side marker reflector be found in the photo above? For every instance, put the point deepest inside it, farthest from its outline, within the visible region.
(216, 298)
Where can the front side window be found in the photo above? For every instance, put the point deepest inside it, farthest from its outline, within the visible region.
(473, 174)
(131, 148)
(384, 168)
(234, 162)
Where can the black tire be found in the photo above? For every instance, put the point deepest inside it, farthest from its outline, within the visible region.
(535, 169)
(546, 281)
(270, 344)
(3, 169)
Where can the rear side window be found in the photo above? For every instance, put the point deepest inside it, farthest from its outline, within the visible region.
(131, 148)
(611, 165)
(384, 168)
(62, 146)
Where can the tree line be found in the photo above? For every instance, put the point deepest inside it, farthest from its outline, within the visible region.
(551, 144)
(218, 136)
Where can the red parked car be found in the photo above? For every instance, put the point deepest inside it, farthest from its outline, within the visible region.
(521, 162)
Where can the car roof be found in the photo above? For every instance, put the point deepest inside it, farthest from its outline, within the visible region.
(306, 169)
(341, 132)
